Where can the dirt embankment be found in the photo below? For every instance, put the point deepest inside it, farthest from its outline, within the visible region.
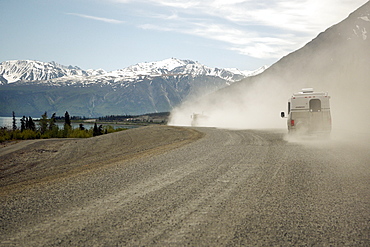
(36, 161)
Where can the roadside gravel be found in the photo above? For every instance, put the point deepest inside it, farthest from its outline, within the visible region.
(39, 161)
(229, 188)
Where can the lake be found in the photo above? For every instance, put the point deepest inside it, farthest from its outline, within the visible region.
(8, 121)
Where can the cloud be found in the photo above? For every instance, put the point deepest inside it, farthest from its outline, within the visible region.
(261, 29)
(108, 20)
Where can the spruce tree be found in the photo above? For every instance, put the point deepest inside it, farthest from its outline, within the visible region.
(14, 122)
(31, 124)
(43, 123)
(52, 121)
(23, 123)
(95, 130)
(67, 119)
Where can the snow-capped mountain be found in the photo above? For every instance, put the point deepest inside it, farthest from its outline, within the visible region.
(175, 66)
(141, 88)
(29, 70)
(56, 74)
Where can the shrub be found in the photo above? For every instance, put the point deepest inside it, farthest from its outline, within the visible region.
(78, 133)
(29, 134)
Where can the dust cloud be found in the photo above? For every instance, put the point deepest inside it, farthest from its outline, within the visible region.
(256, 103)
(241, 106)
(337, 62)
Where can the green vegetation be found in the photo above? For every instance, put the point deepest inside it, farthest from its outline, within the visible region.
(47, 128)
(149, 118)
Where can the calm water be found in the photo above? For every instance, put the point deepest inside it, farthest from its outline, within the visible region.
(8, 122)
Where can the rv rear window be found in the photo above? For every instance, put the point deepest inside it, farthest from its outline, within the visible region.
(315, 105)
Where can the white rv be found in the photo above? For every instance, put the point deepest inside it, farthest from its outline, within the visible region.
(309, 112)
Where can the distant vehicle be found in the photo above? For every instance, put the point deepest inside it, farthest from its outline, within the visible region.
(198, 119)
(309, 112)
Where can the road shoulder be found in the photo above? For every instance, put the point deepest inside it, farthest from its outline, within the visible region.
(38, 161)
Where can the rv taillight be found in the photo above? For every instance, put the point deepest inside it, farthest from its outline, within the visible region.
(292, 122)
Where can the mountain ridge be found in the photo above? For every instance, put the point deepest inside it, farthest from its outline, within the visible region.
(18, 71)
(35, 87)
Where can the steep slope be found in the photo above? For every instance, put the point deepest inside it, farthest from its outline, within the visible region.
(342, 49)
(336, 61)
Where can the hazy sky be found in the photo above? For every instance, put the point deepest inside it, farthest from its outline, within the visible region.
(113, 34)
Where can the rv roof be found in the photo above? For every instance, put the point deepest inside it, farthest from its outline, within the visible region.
(310, 93)
(307, 90)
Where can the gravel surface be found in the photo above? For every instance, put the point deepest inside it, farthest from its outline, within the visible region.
(34, 161)
(228, 188)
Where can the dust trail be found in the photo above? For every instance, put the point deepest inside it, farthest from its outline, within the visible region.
(337, 62)
(256, 105)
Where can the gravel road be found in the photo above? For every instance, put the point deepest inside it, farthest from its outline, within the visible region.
(167, 186)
